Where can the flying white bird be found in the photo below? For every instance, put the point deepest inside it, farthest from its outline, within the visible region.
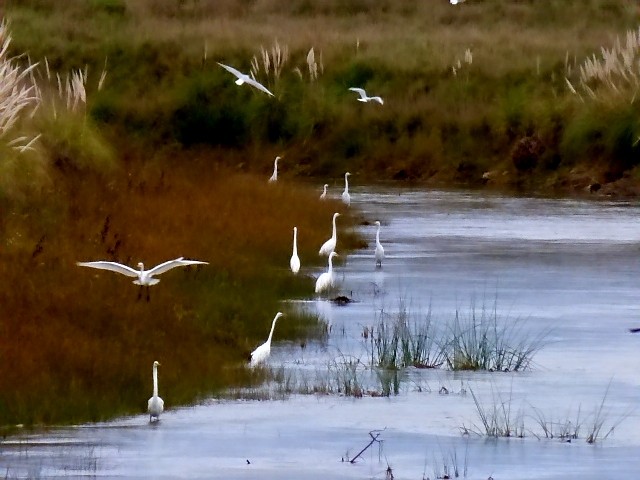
(143, 277)
(244, 78)
(326, 280)
(294, 263)
(455, 2)
(323, 195)
(155, 406)
(364, 97)
(379, 249)
(346, 198)
(330, 245)
(261, 353)
(274, 177)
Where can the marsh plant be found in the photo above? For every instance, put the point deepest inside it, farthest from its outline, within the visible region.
(483, 341)
(401, 340)
(498, 419)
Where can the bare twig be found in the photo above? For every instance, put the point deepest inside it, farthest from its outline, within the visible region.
(374, 434)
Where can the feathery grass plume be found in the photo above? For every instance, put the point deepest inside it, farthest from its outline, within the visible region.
(612, 73)
(17, 91)
(273, 61)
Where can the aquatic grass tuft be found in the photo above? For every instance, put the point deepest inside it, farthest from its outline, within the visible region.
(484, 342)
(498, 419)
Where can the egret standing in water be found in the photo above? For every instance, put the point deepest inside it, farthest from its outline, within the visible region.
(379, 249)
(261, 353)
(294, 263)
(144, 277)
(330, 245)
(274, 177)
(323, 195)
(346, 198)
(155, 406)
(326, 280)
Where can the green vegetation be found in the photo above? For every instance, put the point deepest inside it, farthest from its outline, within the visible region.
(535, 94)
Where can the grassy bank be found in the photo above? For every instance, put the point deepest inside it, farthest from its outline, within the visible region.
(477, 93)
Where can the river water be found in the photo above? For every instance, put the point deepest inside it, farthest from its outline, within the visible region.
(561, 270)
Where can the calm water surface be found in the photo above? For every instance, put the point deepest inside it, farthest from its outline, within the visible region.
(564, 268)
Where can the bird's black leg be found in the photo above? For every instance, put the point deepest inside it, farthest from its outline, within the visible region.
(148, 295)
(140, 292)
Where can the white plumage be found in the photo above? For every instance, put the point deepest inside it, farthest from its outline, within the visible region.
(326, 280)
(244, 78)
(330, 245)
(144, 277)
(346, 198)
(261, 353)
(379, 250)
(274, 176)
(294, 263)
(155, 406)
(323, 195)
(363, 96)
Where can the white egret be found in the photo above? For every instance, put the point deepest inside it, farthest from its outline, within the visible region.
(330, 245)
(294, 263)
(379, 249)
(244, 78)
(274, 177)
(455, 2)
(323, 195)
(346, 198)
(143, 277)
(363, 96)
(326, 280)
(261, 353)
(155, 406)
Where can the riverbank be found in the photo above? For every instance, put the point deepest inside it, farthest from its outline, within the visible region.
(528, 95)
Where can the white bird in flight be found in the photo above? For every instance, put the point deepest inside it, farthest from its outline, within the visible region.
(143, 277)
(330, 245)
(244, 78)
(294, 263)
(274, 177)
(364, 97)
(155, 406)
(261, 353)
(326, 280)
(323, 195)
(379, 249)
(346, 198)
(455, 2)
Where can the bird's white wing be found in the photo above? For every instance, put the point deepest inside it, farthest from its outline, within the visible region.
(258, 85)
(112, 266)
(237, 73)
(178, 262)
(377, 99)
(361, 91)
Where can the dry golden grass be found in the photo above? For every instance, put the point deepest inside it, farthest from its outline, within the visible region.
(77, 344)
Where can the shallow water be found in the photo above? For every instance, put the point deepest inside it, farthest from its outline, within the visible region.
(564, 268)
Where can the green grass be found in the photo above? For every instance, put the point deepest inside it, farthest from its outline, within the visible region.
(164, 86)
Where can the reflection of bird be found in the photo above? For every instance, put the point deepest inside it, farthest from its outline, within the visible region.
(346, 198)
(326, 280)
(379, 249)
(330, 245)
(364, 97)
(144, 277)
(323, 195)
(274, 177)
(294, 263)
(244, 78)
(156, 404)
(261, 353)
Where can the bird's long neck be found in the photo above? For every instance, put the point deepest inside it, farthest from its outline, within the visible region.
(330, 264)
(378, 235)
(155, 381)
(275, 168)
(295, 242)
(334, 234)
(346, 183)
(273, 327)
